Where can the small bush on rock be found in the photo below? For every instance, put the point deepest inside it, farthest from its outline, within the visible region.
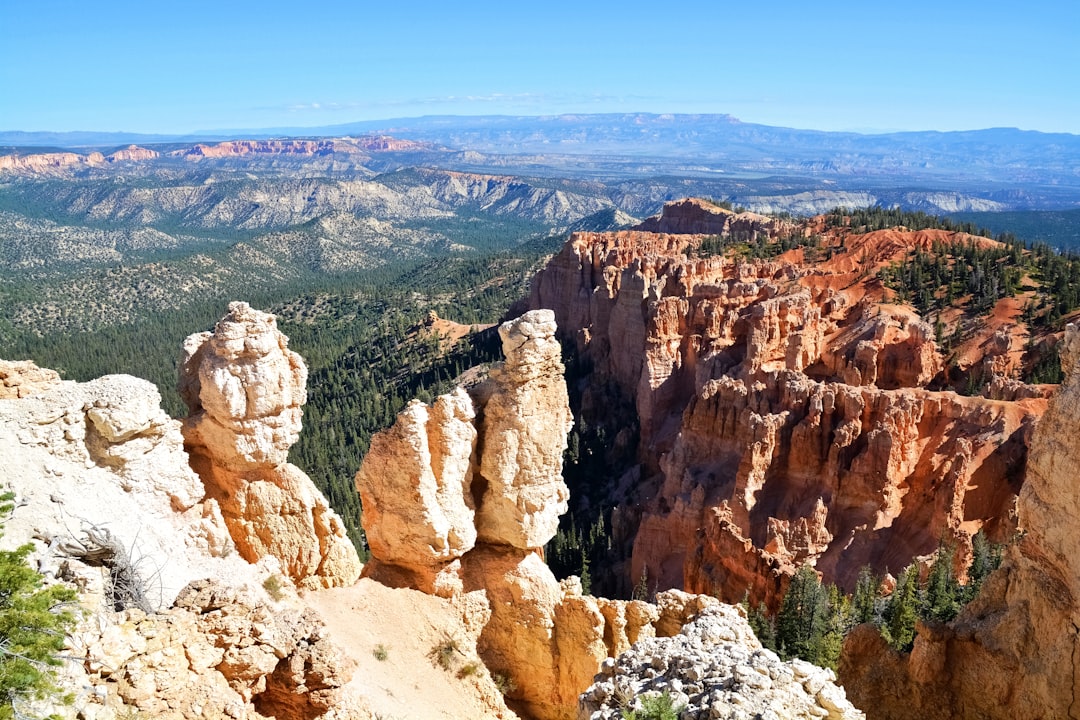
(655, 707)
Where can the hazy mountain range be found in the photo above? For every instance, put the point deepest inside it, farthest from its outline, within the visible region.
(715, 142)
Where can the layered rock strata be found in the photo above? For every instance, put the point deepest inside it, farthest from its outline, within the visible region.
(244, 389)
(784, 408)
(1011, 653)
(714, 669)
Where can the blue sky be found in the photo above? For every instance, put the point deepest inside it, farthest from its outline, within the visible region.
(175, 67)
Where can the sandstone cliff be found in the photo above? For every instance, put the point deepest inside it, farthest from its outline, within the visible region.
(132, 153)
(692, 216)
(1011, 653)
(788, 410)
(48, 163)
(237, 148)
(459, 498)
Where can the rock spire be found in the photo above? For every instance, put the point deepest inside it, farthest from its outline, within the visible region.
(244, 389)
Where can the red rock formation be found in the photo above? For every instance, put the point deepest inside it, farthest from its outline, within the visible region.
(1011, 653)
(237, 148)
(461, 496)
(783, 405)
(693, 216)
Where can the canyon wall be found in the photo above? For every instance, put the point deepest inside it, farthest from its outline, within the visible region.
(1012, 652)
(786, 405)
(189, 566)
(460, 497)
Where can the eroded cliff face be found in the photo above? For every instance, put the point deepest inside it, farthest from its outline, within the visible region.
(459, 498)
(693, 216)
(1012, 652)
(244, 389)
(785, 407)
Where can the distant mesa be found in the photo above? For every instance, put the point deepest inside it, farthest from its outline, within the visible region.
(132, 153)
(48, 162)
(45, 163)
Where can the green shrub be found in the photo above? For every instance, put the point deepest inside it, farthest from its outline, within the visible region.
(274, 587)
(445, 652)
(655, 707)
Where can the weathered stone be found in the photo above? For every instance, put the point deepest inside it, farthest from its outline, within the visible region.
(22, 378)
(244, 389)
(715, 668)
(526, 416)
(415, 486)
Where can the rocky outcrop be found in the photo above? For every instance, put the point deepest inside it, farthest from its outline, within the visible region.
(526, 417)
(132, 153)
(786, 408)
(460, 496)
(104, 492)
(700, 217)
(99, 468)
(415, 487)
(714, 669)
(244, 389)
(1011, 652)
(22, 378)
(218, 652)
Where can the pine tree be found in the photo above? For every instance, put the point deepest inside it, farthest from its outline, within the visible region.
(903, 610)
(864, 603)
(942, 589)
(803, 617)
(33, 621)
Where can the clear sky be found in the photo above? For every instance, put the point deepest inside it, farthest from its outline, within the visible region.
(176, 67)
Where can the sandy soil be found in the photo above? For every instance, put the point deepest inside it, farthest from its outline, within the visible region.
(405, 627)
